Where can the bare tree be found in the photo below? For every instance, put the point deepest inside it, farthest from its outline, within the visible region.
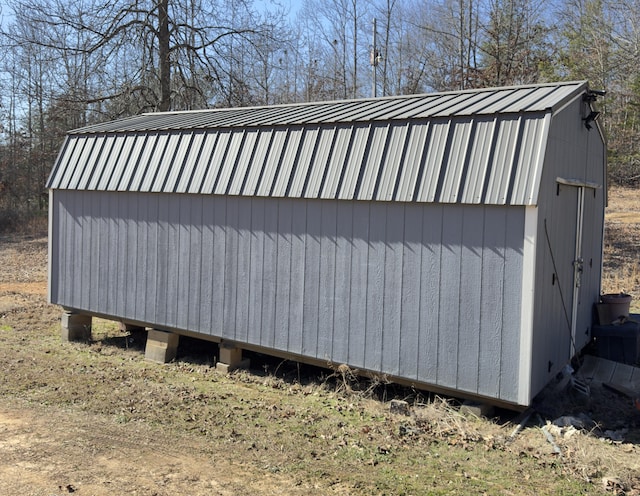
(175, 44)
(515, 43)
(339, 28)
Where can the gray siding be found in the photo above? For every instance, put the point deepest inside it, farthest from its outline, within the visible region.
(425, 292)
(573, 152)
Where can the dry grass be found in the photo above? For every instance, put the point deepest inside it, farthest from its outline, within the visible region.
(621, 265)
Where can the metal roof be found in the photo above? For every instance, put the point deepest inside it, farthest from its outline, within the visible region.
(481, 146)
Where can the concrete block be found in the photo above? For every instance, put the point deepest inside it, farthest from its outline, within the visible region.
(230, 355)
(75, 327)
(231, 359)
(162, 346)
(399, 407)
(476, 408)
(225, 368)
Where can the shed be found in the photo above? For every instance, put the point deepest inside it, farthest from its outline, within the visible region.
(450, 240)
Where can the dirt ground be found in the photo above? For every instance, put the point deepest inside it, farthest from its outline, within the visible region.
(97, 419)
(47, 449)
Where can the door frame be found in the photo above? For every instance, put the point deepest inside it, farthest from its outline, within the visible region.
(578, 260)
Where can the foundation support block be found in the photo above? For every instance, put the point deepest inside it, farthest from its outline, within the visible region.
(162, 346)
(477, 409)
(231, 358)
(75, 327)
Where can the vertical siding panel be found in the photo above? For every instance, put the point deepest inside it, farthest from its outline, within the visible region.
(244, 269)
(344, 235)
(509, 363)
(375, 287)
(64, 250)
(392, 306)
(120, 203)
(72, 239)
(283, 275)
(69, 243)
(207, 271)
(359, 273)
(142, 254)
(162, 278)
(132, 250)
(110, 211)
(231, 269)
(219, 267)
(220, 230)
(256, 270)
(410, 324)
(296, 305)
(55, 235)
(327, 279)
(86, 261)
(470, 298)
(151, 277)
(101, 229)
(76, 228)
(98, 241)
(195, 264)
(96, 245)
(183, 261)
(269, 274)
(429, 297)
(450, 298)
(492, 290)
(311, 279)
(172, 259)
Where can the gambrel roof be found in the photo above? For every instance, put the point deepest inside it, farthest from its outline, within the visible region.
(479, 146)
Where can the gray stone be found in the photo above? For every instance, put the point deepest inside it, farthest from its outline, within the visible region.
(400, 407)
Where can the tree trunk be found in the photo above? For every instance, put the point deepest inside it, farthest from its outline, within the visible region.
(163, 53)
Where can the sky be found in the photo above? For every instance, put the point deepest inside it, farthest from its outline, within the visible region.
(292, 5)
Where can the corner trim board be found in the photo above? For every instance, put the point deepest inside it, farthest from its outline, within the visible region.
(528, 302)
